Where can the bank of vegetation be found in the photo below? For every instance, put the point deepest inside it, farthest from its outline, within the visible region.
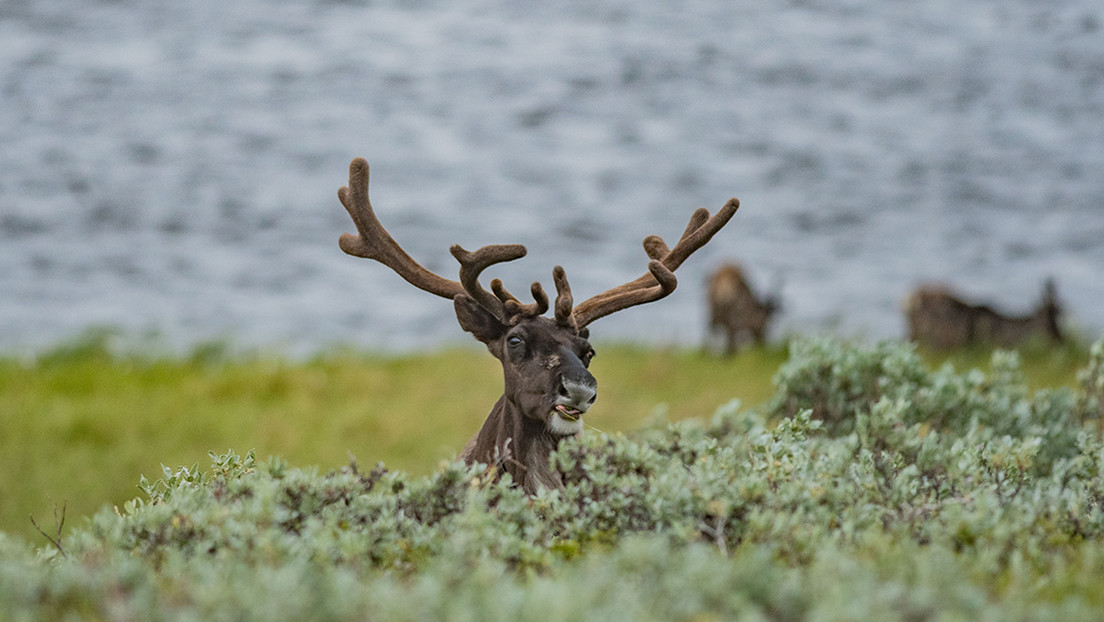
(868, 485)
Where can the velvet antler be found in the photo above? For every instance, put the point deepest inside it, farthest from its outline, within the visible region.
(660, 279)
(372, 241)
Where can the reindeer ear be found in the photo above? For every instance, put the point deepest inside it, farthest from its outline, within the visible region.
(477, 320)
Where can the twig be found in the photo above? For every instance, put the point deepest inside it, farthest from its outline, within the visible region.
(717, 531)
(60, 523)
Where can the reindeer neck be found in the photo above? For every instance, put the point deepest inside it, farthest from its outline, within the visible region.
(518, 445)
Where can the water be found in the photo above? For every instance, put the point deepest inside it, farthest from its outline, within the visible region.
(172, 167)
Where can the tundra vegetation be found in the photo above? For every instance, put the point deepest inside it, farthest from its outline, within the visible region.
(868, 486)
(81, 420)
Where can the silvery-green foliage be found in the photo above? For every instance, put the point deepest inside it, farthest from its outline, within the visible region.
(876, 389)
(1091, 400)
(869, 488)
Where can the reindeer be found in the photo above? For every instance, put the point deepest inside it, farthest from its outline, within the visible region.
(941, 320)
(736, 310)
(545, 361)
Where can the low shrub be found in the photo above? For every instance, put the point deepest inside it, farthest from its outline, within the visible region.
(869, 488)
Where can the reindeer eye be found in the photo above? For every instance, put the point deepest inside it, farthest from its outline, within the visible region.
(588, 356)
(514, 341)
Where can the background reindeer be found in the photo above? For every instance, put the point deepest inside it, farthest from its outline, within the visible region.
(941, 320)
(735, 310)
(548, 387)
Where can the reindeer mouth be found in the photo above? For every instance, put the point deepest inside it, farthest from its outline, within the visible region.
(568, 413)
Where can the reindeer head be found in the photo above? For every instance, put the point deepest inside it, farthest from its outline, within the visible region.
(544, 361)
(548, 387)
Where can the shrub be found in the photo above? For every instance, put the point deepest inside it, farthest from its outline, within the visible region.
(870, 487)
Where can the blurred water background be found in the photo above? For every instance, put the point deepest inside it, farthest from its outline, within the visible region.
(171, 168)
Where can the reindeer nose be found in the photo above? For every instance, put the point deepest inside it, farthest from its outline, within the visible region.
(579, 393)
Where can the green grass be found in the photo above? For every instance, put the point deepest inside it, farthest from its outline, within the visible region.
(79, 425)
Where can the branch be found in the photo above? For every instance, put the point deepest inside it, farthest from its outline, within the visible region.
(60, 523)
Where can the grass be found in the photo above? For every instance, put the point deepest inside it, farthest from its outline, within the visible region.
(79, 424)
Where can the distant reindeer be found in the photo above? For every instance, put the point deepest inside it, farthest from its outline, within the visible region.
(545, 361)
(736, 310)
(941, 320)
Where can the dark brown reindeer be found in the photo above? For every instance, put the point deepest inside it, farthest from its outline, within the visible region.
(939, 319)
(545, 361)
(736, 310)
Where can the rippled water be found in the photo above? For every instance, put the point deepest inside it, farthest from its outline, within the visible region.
(172, 167)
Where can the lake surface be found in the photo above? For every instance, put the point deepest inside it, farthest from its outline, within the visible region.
(172, 167)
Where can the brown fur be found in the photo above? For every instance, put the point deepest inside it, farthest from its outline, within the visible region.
(941, 320)
(543, 364)
(736, 310)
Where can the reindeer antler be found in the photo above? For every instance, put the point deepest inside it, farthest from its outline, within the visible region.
(660, 280)
(372, 241)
